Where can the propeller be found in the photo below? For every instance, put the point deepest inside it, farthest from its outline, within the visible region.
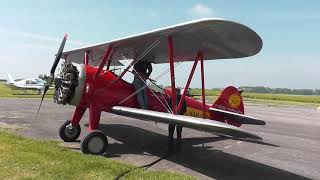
(50, 78)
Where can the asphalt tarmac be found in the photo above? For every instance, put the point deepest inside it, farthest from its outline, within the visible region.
(292, 134)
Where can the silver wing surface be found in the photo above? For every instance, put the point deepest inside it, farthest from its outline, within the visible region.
(240, 118)
(216, 38)
(211, 126)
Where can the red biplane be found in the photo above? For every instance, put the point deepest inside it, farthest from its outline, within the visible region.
(87, 81)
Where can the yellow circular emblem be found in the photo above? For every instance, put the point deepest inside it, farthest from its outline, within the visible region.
(234, 100)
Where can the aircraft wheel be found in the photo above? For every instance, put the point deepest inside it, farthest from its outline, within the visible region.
(68, 133)
(94, 143)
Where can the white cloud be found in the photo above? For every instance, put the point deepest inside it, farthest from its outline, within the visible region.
(201, 11)
(154, 14)
(48, 38)
(39, 37)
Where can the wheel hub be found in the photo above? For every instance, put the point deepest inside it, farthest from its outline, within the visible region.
(70, 131)
(95, 145)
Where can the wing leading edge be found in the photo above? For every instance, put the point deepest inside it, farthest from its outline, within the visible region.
(216, 38)
(211, 126)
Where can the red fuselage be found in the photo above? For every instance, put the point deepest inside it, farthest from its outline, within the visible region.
(101, 93)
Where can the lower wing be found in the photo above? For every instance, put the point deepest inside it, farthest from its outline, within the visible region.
(211, 126)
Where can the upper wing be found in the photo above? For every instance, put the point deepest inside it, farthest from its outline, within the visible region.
(216, 38)
(215, 127)
(240, 118)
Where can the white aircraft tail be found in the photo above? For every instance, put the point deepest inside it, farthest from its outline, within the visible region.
(10, 79)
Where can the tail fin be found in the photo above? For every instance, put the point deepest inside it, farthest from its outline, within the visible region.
(230, 100)
(229, 108)
(10, 79)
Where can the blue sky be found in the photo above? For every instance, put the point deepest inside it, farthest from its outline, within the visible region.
(31, 31)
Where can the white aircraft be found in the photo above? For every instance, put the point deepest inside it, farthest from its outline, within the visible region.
(26, 84)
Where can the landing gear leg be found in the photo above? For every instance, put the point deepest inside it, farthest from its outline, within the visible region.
(95, 142)
(70, 130)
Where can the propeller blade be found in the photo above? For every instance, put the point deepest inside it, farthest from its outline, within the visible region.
(44, 93)
(53, 69)
(58, 55)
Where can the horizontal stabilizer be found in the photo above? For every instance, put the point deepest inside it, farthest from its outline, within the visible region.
(240, 118)
(215, 127)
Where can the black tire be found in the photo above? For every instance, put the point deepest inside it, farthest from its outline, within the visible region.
(69, 135)
(95, 139)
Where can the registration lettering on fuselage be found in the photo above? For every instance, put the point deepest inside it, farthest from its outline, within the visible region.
(196, 113)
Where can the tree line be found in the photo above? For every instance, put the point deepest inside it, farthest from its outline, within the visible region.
(262, 89)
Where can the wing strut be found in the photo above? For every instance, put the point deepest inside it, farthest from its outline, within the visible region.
(177, 108)
(86, 57)
(103, 62)
(202, 84)
(188, 82)
(137, 59)
(166, 105)
(173, 83)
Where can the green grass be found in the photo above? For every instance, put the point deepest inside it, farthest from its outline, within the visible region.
(5, 91)
(23, 158)
(284, 97)
(207, 92)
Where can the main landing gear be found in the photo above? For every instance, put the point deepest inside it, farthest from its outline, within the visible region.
(69, 133)
(95, 142)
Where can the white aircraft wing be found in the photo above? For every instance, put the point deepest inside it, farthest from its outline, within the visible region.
(207, 125)
(16, 87)
(216, 38)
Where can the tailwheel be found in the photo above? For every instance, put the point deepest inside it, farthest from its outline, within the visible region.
(69, 133)
(94, 143)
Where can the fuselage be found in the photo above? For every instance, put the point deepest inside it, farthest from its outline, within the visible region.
(107, 91)
(30, 83)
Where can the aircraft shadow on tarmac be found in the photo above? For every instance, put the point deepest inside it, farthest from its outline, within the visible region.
(212, 163)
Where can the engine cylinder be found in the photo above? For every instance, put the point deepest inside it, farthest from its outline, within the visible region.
(69, 84)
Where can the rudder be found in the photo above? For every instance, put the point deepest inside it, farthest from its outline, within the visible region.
(10, 79)
(229, 100)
